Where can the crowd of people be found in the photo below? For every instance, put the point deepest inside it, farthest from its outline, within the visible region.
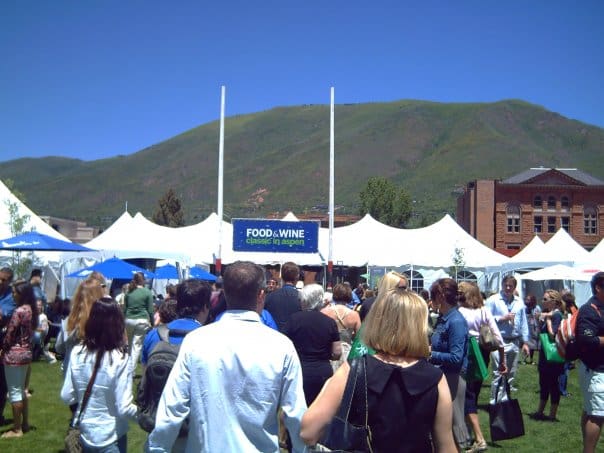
(264, 367)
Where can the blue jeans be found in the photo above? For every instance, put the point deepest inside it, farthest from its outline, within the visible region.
(119, 446)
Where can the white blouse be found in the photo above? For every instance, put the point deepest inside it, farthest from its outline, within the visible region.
(475, 317)
(105, 418)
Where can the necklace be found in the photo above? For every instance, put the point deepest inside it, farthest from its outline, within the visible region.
(394, 360)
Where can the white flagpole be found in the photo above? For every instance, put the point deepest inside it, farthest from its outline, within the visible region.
(331, 185)
(220, 180)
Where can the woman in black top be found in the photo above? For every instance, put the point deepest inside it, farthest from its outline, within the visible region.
(409, 401)
(316, 339)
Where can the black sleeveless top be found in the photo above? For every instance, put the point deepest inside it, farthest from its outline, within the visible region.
(402, 405)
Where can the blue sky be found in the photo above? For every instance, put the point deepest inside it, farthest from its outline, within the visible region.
(94, 79)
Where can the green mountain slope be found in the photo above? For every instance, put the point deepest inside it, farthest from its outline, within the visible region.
(431, 148)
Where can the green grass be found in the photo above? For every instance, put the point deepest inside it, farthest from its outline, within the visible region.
(50, 417)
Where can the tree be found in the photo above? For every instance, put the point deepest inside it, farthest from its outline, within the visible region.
(169, 211)
(458, 262)
(386, 202)
(17, 224)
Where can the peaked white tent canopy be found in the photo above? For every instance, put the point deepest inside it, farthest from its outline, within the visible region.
(557, 272)
(34, 222)
(531, 256)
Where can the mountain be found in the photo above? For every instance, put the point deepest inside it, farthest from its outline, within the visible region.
(278, 160)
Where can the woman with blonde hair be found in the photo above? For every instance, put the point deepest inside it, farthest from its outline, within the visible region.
(72, 327)
(409, 404)
(549, 372)
(391, 280)
(471, 308)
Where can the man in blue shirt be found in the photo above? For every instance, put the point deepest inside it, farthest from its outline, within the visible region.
(232, 378)
(510, 314)
(7, 306)
(192, 308)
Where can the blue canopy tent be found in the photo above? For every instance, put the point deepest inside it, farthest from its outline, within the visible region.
(200, 274)
(34, 241)
(112, 268)
(167, 272)
(170, 272)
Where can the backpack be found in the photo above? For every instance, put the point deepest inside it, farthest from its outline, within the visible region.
(159, 364)
(566, 343)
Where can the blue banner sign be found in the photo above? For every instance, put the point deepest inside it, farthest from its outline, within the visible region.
(253, 235)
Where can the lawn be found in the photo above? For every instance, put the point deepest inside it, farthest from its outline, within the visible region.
(50, 417)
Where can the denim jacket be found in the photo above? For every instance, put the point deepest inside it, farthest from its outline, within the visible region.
(450, 342)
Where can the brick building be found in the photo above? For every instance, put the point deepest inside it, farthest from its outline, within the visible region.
(506, 214)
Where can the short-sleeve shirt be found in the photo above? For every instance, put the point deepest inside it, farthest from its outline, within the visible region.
(313, 334)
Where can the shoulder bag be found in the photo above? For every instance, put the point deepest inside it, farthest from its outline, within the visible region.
(505, 416)
(72, 439)
(477, 369)
(341, 435)
(550, 349)
(486, 337)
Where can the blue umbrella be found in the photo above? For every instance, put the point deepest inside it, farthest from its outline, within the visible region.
(37, 241)
(200, 274)
(112, 268)
(168, 272)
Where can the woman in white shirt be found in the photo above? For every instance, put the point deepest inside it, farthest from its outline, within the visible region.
(476, 315)
(104, 421)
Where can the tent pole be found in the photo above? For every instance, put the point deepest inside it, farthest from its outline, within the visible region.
(220, 180)
(331, 185)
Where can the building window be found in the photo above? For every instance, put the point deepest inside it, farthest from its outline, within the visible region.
(551, 224)
(565, 203)
(466, 276)
(565, 223)
(416, 279)
(538, 203)
(551, 203)
(513, 219)
(590, 220)
(538, 224)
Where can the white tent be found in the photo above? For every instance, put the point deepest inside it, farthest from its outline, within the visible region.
(532, 256)
(426, 251)
(562, 244)
(561, 248)
(597, 254)
(135, 237)
(558, 272)
(34, 222)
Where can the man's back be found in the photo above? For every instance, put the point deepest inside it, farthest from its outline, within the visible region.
(282, 303)
(233, 376)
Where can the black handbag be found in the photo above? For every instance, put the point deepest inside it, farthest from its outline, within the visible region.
(72, 438)
(341, 435)
(505, 417)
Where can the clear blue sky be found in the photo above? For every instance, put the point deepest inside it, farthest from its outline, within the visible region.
(93, 79)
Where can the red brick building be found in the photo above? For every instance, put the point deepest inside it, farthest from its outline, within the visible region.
(506, 214)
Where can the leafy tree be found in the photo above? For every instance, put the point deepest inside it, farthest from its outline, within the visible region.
(458, 262)
(169, 211)
(17, 224)
(386, 202)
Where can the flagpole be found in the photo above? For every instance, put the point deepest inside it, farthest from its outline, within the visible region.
(331, 188)
(220, 180)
